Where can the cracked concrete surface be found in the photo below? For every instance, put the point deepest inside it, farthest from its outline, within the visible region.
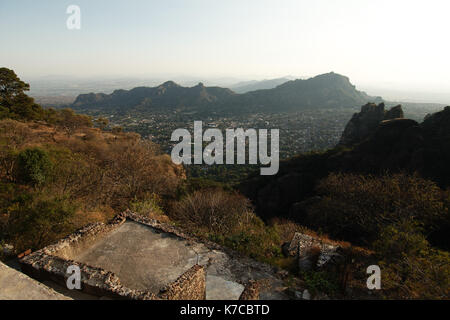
(142, 258)
(146, 259)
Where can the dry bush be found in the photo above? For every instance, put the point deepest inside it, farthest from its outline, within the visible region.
(216, 211)
(287, 229)
(134, 170)
(70, 122)
(117, 169)
(82, 217)
(149, 207)
(99, 173)
(14, 133)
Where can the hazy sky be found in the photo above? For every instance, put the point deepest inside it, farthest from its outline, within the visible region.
(383, 42)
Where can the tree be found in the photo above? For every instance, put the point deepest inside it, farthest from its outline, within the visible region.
(34, 166)
(10, 84)
(70, 121)
(35, 221)
(14, 103)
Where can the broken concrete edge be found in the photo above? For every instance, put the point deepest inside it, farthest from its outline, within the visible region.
(18, 286)
(251, 291)
(191, 285)
(94, 281)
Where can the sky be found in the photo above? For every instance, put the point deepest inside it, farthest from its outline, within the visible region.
(397, 44)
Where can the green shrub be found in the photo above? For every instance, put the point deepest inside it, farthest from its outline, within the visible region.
(33, 166)
(35, 222)
(149, 207)
(411, 268)
(403, 239)
(320, 281)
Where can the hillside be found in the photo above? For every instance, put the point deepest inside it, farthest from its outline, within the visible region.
(395, 145)
(324, 91)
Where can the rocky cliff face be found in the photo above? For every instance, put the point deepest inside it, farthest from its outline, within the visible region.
(394, 145)
(364, 123)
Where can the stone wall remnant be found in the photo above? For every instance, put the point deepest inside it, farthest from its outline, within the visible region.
(311, 252)
(251, 291)
(191, 285)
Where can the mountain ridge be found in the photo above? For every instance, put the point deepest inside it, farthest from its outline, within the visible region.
(328, 90)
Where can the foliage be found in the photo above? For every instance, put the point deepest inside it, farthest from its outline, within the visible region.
(320, 282)
(34, 166)
(214, 210)
(70, 121)
(411, 268)
(36, 221)
(14, 103)
(43, 170)
(357, 207)
(227, 218)
(149, 207)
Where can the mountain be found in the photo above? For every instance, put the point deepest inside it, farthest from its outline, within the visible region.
(253, 85)
(394, 145)
(329, 90)
(167, 95)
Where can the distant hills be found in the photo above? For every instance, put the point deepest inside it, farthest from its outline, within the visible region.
(329, 90)
(253, 85)
(166, 95)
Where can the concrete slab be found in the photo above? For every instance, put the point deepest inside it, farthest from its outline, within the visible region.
(146, 256)
(15, 285)
(218, 288)
(141, 257)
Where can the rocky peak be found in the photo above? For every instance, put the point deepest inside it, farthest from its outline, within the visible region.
(365, 123)
(394, 113)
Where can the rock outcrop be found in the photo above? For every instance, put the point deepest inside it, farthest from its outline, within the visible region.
(392, 145)
(311, 252)
(364, 123)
